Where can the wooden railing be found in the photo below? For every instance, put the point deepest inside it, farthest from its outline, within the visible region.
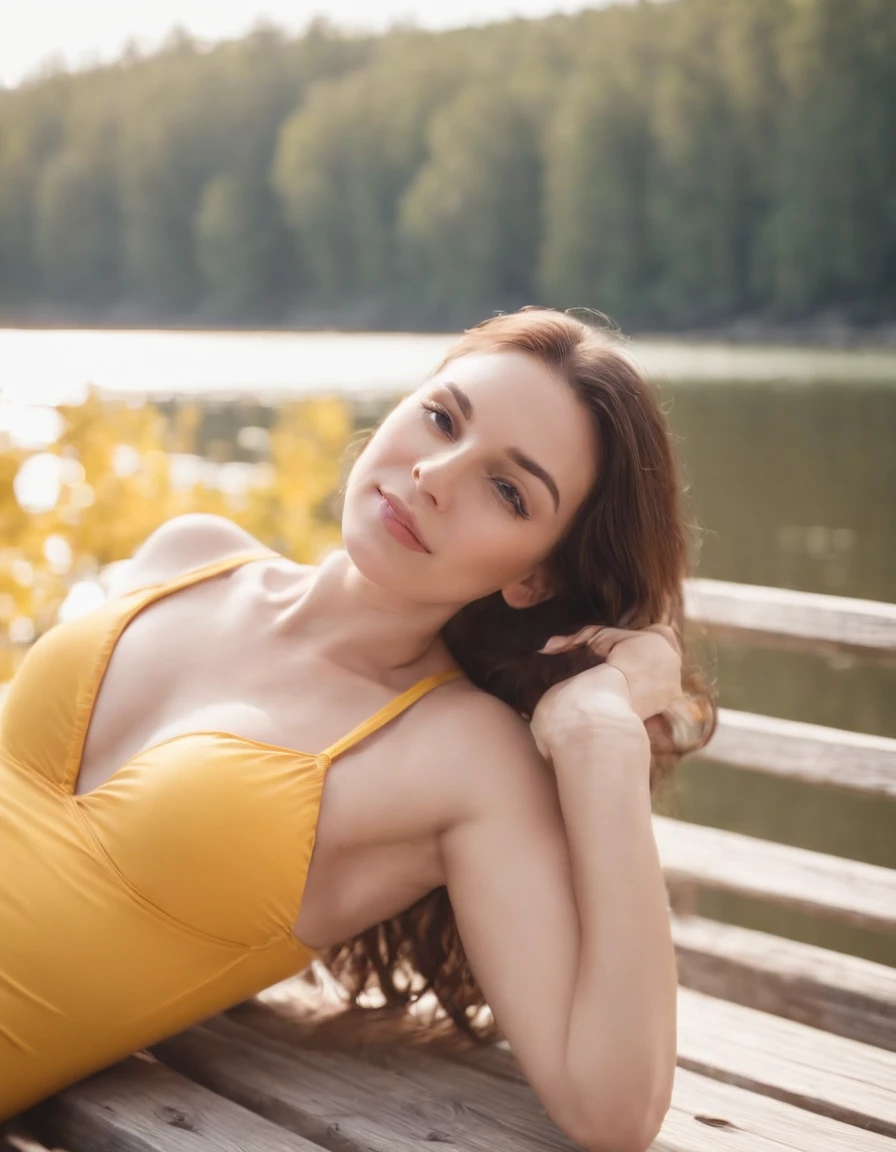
(783, 618)
(841, 1066)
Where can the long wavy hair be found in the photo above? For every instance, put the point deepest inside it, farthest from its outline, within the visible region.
(622, 563)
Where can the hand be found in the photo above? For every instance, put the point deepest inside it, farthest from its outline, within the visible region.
(649, 658)
(646, 679)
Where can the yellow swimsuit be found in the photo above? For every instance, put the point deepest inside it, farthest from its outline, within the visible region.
(158, 899)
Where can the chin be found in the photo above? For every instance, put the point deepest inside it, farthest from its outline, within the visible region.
(385, 564)
(373, 553)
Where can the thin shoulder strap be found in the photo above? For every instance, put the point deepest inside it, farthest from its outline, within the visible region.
(161, 588)
(388, 712)
(126, 607)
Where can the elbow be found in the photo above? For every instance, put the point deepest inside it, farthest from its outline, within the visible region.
(636, 1134)
(625, 1129)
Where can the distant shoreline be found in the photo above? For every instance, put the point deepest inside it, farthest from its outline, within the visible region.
(824, 331)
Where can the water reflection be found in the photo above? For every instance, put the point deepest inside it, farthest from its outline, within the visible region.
(795, 487)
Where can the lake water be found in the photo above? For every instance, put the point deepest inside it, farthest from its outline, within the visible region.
(791, 469)
(53, 367)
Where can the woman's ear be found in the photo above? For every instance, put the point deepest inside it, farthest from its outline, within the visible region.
(531, 590)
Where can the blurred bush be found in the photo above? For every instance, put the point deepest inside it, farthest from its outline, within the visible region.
(116, 471)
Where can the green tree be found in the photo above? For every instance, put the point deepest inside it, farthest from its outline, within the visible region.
(671, 164)
(471, 218)
(343, 162)
(596, 240)
(831, 237)
(32, 130)
(75, 229)
(233, 247)
(697, 206)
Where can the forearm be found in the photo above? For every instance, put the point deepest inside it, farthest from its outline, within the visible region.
(621, 1040)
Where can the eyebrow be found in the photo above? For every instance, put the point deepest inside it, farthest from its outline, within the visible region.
(463, 401)
(520, 458)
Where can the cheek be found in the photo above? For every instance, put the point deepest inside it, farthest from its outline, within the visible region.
(395, 444)
(494, 544)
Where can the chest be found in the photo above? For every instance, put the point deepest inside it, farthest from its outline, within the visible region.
(212, 659)
(196, 662)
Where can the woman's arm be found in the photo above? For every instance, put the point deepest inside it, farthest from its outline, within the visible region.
(560, 903)
(622, 1037)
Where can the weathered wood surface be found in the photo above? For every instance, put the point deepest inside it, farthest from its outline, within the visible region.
(783, 618)
(138, 1106)
(849, 890)
(833, 1076)
(836, 1077)
(838, 993)
(739, 1119)
(756, 1117)
(253, 1078)
(375, 1105)
(807, 752)
(706, 1115)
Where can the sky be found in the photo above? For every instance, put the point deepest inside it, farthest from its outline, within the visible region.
(82, 32)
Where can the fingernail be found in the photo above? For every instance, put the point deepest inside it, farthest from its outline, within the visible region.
(551, 646)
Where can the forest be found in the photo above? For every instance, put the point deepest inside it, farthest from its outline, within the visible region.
(673, 165)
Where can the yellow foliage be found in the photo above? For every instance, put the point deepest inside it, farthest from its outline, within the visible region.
(117, 483)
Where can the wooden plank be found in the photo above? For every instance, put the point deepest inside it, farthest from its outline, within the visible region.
(141, 1106)
(807, 752)
(841, 994)
(739, 1118)
(681, 1131)
(836, 1077)
(706, 1116)
(830, 886)
(345, 1103)
(782, 617)
(730, 1109)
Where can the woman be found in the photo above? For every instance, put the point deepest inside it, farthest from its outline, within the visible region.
(512, 567)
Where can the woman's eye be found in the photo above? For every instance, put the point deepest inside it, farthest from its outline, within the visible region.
(511, 496)
(439, 416)
(434, 413)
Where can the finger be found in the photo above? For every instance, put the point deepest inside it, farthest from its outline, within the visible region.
(562, 643)
(658, 731)
(605, 640)
(598, 637)
(567, 643)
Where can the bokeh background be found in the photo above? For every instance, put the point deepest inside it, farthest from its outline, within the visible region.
(225, 248)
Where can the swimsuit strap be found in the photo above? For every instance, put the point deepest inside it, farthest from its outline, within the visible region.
(124, 608)
(388, 712)
(162, 588)
(147, 595)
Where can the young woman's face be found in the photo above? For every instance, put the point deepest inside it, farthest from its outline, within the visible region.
(488, 462)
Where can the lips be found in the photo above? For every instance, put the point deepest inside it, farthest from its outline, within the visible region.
(400, 512)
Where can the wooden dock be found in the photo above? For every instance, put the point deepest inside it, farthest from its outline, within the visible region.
(782, 1046)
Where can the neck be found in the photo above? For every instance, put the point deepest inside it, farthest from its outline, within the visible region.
(363, 627)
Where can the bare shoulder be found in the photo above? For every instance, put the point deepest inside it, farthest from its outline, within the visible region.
(182, 543)
(488, 758)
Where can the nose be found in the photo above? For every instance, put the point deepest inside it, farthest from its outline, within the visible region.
(427, 484)
(434, 478)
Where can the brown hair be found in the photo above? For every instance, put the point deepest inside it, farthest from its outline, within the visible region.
(622, 563)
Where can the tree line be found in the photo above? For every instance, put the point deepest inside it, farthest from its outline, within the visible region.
(671, 164)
